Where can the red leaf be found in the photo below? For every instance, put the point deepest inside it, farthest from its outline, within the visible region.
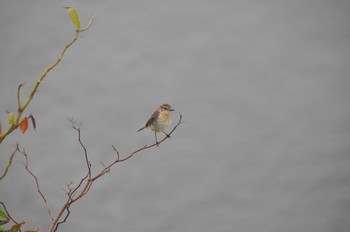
(24, 125)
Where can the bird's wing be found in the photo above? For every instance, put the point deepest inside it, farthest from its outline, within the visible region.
(153, 117)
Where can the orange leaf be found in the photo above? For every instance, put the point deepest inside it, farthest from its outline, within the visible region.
(24, 125)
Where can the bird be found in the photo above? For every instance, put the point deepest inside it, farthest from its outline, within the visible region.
(159, 121)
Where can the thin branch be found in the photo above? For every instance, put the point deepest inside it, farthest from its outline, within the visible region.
(9, 163)
(107, 168)
(87, 185)
(21, 107)
(78, 186)
(46, 71)
(64, 219)
(88, 163)
(116, 151)
(68, 204)
(36, 181)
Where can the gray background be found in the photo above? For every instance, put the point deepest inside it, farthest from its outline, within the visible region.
(263, 88)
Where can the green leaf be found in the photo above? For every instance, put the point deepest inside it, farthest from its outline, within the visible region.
(11, 118)
(15, 229)
(2, 230)
(73, 17)
(3, 214)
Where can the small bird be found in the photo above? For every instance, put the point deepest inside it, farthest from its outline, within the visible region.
(159, 120)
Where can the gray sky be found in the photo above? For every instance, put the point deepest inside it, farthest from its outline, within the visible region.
(263, 88)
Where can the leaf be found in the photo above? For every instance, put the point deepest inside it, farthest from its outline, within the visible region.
(3, 222)
(3, 214)
(24, 125)
(11, 118)
(73, 17)
(17, 227)
(33, 121)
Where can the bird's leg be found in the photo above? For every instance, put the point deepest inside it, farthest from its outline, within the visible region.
(155, 135)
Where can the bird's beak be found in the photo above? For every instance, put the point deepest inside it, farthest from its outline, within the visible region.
(171, 110)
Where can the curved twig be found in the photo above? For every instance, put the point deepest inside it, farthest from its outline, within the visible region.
(87, 185)
(26, 165)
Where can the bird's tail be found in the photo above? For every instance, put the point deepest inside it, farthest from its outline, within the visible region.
(141, 129)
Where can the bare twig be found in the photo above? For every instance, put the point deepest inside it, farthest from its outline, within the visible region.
(69, 194)
(73, 194)
(65, 218)
(115, 149)
(88, 163)
(36, 181)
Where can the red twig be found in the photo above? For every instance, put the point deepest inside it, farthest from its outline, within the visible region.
(36, 181)
(73, 196)
(88, 164)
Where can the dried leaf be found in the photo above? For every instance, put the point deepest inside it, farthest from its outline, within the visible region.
(24, 125)
(33, 121)
(17, 227)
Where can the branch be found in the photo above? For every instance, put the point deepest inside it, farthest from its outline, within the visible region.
(21, 107)
(69, 194)
(9, 163)
(36, 181)
(85, 184)
(77, 128)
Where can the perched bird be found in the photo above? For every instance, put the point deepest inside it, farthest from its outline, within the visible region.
(159, 120)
